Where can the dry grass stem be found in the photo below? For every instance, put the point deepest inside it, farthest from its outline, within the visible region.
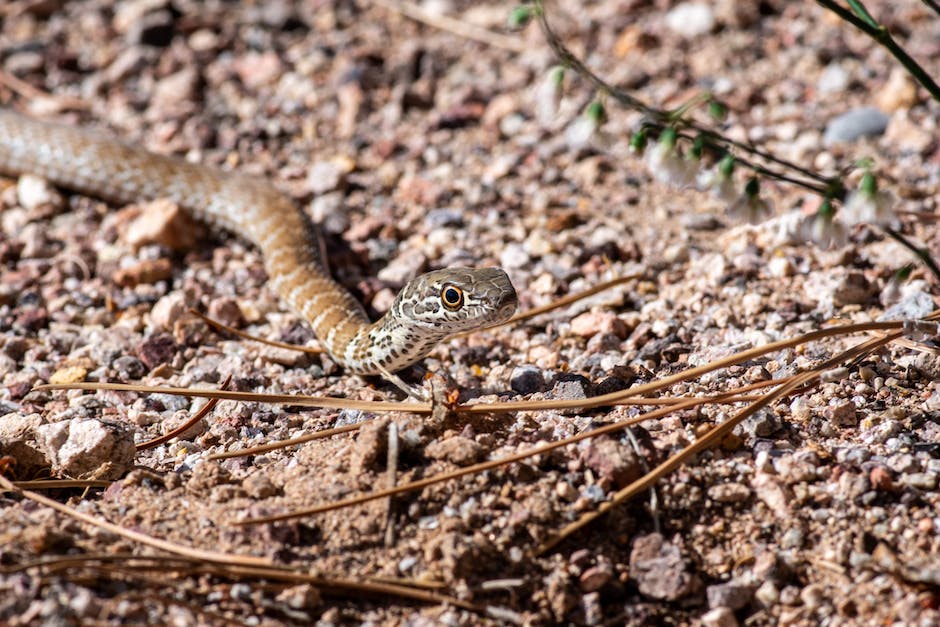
(199, 415)
(713, 436)
(453, 25)
(224, 328)
(136, 536)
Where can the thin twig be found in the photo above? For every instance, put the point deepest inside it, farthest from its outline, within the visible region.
(271, 446)
(199, 415)
(604, 400)
(453, 25)
(136, 536)
(219, 326)
(60, 484)
(713, 436)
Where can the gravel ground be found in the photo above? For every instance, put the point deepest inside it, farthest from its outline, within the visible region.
(417, 148)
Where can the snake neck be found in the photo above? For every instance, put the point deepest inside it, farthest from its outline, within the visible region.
(389, 344)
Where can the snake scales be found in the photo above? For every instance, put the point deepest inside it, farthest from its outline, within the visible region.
(428, 309)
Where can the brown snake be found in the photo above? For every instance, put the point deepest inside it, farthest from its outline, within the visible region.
(428, 309)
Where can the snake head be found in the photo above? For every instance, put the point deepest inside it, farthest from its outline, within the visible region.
(452, 300)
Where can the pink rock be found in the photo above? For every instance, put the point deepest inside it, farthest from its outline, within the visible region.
(591, 323)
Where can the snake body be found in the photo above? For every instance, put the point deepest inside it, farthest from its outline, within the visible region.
(428, 309)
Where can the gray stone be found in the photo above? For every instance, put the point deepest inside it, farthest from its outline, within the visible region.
(659, 570)
(855, 124)
(571, 387)
(732, 594)
(920, 480)
(129, 367)
(444, 216)
(916, 305)
(612, 460)
(760, 425)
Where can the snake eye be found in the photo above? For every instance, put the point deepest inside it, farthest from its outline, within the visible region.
(452, 297)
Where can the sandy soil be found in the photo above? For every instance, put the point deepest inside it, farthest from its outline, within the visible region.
(418, 148)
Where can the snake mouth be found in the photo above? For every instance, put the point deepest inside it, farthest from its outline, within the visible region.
(507, 311)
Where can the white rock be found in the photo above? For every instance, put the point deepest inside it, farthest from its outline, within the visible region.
(33, 192)
(719, 617)
(167, 311)
(88, 448)
(833, 79)
(691, 19)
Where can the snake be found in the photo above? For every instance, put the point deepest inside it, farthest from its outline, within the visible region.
(428, 309)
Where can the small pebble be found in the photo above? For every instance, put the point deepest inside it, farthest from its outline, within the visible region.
(729, 493)
(328, 176)
(719, 617)
(612, 460)
(456, 450)
(855, 124)
(813, 595)
(880, 479)
(259, 486)
(691, 19)
(833, 79)
(732, 594)
(302, 597)
(170, 92)
(34, 193)
(760, 425)
(571, 387)
(156, 349)
(767, 594)
(900, 92)
(842, 413)
(566, 491)
(659, 569)
(257, 69)
(595, 577)
(920, 480)
(591, 323)
(145, 272)
(163, 222)
(913, 306)
(527, 380)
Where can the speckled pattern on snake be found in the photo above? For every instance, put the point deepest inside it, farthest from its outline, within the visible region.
(428, 309)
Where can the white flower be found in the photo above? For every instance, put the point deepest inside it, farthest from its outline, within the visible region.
(548, 95)
(823, 229)
(869, 205)
(749, 205)
(719, 181)
(666, 163)
(586, 129)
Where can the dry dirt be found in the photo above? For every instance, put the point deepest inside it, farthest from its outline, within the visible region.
(418, 148)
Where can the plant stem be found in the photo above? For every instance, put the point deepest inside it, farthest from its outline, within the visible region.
(658, 120)
(923, 254)
(933, 5)
(881, 35)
